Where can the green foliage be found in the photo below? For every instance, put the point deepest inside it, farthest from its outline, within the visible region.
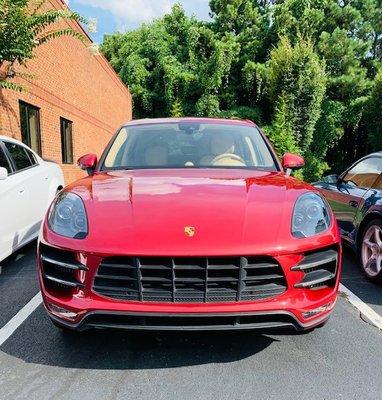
(23, 27)
(175, 57)
(243, 112)
(207, 106)
(176, 109)
(306, 69)
(281, 132)
(374, 115)
(296, 86)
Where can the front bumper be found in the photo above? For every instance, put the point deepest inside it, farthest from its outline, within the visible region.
(298, 308)
(260, 321)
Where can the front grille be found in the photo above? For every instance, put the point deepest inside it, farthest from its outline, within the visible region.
(189, 322)
(187, 280)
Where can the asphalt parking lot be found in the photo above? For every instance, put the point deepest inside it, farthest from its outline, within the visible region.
(343, 360)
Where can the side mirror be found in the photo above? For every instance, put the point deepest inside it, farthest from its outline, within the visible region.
(3, 173)
(88, 163)
(292, 162)
(331, 179)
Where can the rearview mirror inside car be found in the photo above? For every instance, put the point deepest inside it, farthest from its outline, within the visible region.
(3, 173)
(88, 163)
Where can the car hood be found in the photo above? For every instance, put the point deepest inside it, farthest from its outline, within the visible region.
(152, 211)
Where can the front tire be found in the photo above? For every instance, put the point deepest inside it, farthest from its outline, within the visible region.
(370, 251)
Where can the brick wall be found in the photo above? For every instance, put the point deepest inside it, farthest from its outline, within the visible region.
(72, 83)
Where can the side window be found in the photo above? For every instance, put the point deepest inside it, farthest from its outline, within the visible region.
(4, 161)
(19, 156)
(378, 183)
(31, 157)
(365, 173)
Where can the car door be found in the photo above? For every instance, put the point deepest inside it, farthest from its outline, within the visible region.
(40, 194)
(348, 194)
(13, 201)
(26, 217)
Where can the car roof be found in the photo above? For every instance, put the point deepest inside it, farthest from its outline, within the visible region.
(10, 139)
(153, 121)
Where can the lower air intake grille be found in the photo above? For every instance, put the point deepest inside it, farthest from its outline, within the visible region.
(59, 269)
(320, 269)
(187, 280)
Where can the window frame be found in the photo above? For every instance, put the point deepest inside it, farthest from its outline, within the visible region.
(64, 150)
(377, 182)
(6, 154)
(343, 175)
(12, 162)
(37, 109)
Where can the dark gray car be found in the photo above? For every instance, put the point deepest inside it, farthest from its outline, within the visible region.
(356, 198)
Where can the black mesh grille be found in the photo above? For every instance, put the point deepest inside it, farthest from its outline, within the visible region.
(187, 280)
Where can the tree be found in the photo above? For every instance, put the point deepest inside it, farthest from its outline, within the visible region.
(347, 35)
(175, 57)
(248, 21)
(374, 115)
(296, 85)
(25, 25)
(305, 69)
(281, 132)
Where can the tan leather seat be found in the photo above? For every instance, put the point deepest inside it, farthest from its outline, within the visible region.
(156, 155)
(221, 143)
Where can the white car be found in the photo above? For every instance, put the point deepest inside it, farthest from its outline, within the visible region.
(28, 184)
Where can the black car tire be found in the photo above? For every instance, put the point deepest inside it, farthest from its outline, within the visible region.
(373, 278)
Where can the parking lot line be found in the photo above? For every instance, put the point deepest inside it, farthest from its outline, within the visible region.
(362, 307)
(7, 330)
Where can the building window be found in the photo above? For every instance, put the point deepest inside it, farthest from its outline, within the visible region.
(30, 126)
(66, 141)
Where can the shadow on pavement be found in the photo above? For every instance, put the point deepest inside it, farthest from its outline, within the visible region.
(15, 260)
(354, 279)
(39, 342)
(18, 281)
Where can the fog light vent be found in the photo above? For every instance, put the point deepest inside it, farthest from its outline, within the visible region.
(318, 310)
(62, 312)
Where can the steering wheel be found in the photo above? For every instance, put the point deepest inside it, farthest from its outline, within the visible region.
(228, 156)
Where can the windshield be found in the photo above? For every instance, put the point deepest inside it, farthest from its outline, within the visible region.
(189, 145)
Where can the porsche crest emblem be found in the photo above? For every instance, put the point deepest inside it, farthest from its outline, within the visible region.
(189, 231)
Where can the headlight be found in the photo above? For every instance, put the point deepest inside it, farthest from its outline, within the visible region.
(310, 216)
(67, 216)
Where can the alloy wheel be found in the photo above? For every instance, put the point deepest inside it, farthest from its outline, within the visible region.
(372, 251)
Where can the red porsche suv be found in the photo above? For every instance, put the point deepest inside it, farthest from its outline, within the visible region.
(189, 224)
